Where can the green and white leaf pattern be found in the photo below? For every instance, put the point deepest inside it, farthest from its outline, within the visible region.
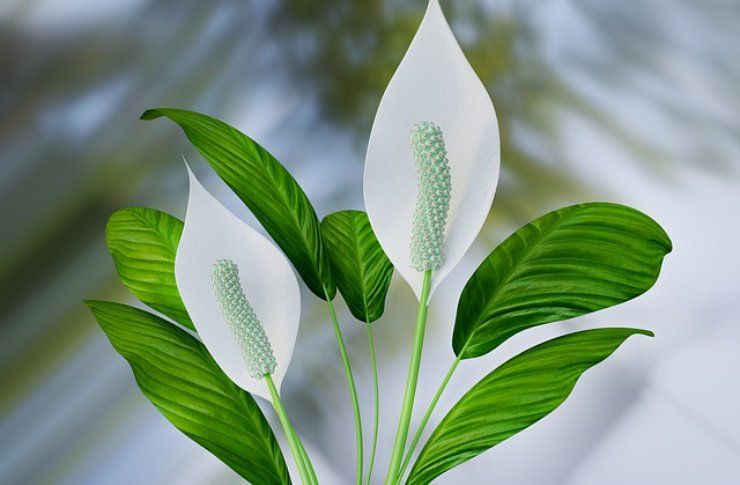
(266, 187)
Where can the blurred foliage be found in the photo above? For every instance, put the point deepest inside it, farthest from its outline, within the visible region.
(350, 49)
(345, 52)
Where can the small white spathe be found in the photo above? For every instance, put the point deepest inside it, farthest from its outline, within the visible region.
(211, 233)
(435, 83)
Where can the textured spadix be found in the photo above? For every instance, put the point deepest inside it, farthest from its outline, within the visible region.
(212, 233)
(244, 323)
(434, 83)
(433, 197)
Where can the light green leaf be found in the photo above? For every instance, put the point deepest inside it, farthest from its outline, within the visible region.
(567, 263)
(143, 243)
(266, 187)
(178, 375)
(519, 393)
(361, 269)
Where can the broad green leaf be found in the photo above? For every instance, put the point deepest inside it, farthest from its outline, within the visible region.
(143, 243)
(178, 375)
(361, 269)
(517, 394)
(266, 187)
(567, 263)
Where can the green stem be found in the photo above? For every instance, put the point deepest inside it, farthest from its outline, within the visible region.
(411, 380)
(352, 389)
(304, 457)
(295, 446)
(428, 414)
(376, 404)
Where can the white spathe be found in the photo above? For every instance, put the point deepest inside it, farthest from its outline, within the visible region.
(211, 233)
(434, 82)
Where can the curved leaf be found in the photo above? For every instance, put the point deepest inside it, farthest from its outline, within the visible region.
(519, 393)
(567, 263)
(176, 373)
(266, 187)
(361, 269)
(143, 243)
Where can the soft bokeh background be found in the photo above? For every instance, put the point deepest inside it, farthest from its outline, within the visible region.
(632, 101)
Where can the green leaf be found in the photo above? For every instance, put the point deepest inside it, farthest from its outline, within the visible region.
(266, 187)
(513, 397)
(143, 243)
(567, 263)
(361, 269)
(178, 375)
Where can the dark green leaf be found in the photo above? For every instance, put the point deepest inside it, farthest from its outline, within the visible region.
(143, 243)
(513, 397)
(567, 263)
(263, 184)
(361, 269)
(178, 375)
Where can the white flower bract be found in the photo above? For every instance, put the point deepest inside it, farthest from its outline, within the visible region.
(212, 233)
(434, 83)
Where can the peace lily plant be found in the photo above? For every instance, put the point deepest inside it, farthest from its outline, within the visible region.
(230, 302)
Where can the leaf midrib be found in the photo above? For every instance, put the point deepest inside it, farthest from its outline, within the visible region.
(539, 239)
(356, 231)
(153, 227)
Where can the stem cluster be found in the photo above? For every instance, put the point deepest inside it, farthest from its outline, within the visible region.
(401, 455)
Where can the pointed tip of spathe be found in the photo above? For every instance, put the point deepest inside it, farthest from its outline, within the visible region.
(192, 179)
(435, 26)
(197, 192)
(187, 166)
(434, 8)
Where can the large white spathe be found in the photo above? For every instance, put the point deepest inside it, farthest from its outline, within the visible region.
(211, 233)
(434, 82)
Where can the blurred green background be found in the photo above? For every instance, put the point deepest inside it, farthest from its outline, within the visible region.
(633, 102)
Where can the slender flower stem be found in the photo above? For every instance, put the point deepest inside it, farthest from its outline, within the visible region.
(411, 380)
(293, 442)
(352, 389)
(376, 403)
(304, 456)
(427, 415)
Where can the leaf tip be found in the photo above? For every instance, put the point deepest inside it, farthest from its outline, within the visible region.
(663, 239)
(629, 332)
(151, 114)
(667, 243)
(93, 306)
(115, 217)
